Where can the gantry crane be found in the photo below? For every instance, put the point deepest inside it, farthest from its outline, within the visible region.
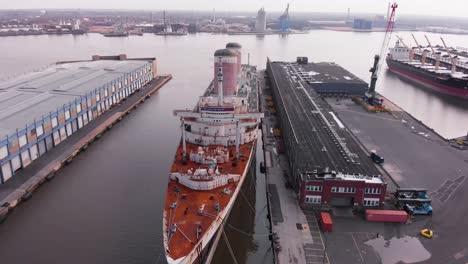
(377, 58)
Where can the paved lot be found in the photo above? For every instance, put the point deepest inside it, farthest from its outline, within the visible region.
(415, 157)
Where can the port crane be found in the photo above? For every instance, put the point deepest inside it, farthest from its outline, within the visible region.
(377, 58)
(434, 53)
(453, 60)
(417, 44)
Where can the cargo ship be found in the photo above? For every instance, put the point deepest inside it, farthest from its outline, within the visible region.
(436, 69)
(212, 160)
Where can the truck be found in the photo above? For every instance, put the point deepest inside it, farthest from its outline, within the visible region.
(419, 209)
(415, 201)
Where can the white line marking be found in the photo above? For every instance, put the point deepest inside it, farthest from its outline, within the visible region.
(358, 250)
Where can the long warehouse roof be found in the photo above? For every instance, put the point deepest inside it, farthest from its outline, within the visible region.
(30, 96)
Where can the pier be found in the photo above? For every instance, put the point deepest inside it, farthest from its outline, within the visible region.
(21, 187)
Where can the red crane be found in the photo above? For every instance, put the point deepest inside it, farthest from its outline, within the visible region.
(383, 50)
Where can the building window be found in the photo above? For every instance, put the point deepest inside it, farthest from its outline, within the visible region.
(314, 188)
(343, 189)
(54, 122)
(78, 108)
(371, 202)
(106, 93)
(3, 152)
(67, 114)
(113, 88)
(98, 97)
(372, 191)
(313, 199)
(39, 130)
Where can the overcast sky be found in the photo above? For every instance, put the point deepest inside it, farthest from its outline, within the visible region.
(423, 7)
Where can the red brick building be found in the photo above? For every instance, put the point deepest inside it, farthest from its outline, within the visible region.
(337, 189)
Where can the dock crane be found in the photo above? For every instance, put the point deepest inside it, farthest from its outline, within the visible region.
(402, 42)
(285, 20)
(437, 54)
(411, 50)
(417, 44)
(453, 60)
(375, 70)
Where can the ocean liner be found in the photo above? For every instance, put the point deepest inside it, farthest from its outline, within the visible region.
(437, 69)
(211, 163)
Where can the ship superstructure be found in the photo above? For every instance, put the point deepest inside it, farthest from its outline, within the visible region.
(443, 70)
(217, 145)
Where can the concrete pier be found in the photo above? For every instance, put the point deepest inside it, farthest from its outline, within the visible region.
(20, 187)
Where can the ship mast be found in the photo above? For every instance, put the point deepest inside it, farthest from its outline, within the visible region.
(220, 82)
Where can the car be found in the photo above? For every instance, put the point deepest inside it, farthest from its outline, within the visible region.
(376, 158)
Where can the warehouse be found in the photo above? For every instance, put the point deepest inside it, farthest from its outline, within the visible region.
(330, 79)
(327, 166)
(41, 109)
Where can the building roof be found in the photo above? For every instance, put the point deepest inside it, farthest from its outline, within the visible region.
(31, 96)
(328, 72)
(316, 131)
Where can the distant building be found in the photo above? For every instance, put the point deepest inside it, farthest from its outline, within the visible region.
(362, 24)
(260, 23)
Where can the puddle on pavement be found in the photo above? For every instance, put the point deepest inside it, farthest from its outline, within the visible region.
(399, 250)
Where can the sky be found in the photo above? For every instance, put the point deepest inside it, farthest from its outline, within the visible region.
(453, 8)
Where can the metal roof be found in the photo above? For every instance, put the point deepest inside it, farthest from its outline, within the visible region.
(30, 96)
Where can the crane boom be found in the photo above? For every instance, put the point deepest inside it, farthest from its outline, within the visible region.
(430, 45)
(402, 42)
(387, 37)
(452, 59)
(417, 44)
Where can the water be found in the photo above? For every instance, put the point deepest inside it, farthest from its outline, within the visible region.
(106, 206)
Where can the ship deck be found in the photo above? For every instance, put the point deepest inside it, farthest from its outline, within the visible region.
(185, 215)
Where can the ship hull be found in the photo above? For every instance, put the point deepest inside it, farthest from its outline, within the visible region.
(208, 242)
(429, 80)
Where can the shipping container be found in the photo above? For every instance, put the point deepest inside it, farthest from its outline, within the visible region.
(326, 222)
(394, 216)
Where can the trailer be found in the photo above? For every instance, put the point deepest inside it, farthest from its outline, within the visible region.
(326, 222)
(392, 216)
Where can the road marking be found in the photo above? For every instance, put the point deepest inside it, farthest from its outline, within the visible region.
(358, 250)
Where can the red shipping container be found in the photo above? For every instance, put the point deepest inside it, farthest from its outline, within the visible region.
(326, 222)
(394, 216)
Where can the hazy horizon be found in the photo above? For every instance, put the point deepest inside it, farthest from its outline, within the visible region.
(450, 8)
